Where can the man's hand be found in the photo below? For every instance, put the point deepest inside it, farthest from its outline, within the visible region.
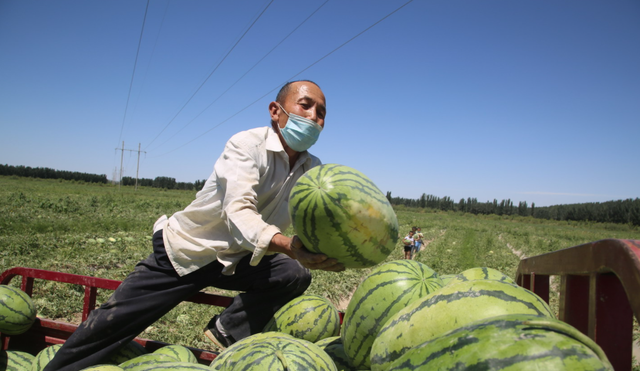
(294, 248)
(311, 260)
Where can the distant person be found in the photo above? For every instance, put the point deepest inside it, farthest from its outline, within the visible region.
(229, 237)
(408, 245)
(417, 242)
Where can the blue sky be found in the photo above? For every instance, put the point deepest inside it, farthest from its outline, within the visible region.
(535, 101)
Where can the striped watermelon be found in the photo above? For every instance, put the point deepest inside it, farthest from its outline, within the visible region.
(17, 311)
(273, 351)
(389, 288)
(450, 307)
(141, 362)
(130, 351)
(339, 212)
(44, 357)
(103, 368)
(15, 360)
(308, 317)
(446, 278)
(481, 273)
(334, 348)
(514, 342)
(179, 352)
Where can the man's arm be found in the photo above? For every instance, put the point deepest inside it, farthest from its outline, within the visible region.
(293, 247)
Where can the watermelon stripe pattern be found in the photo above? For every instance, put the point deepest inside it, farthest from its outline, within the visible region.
(179, 352)
(141, 362)
(177, 366)
(44, 357)
(14, 360)
(132, 350)
(481, 273)
(451, 307)
(308, 317)
(519, 342)
(17, 311)
(334, 348)
(338, 211)
(273, 351)
(388, 289)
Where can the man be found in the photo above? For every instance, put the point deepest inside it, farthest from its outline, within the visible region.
(228, 237)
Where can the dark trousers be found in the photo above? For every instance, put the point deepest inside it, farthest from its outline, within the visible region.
(154, 288)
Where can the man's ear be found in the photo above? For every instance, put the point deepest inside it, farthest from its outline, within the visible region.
(274, 111)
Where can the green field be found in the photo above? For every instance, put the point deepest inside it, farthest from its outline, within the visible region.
(101, 231)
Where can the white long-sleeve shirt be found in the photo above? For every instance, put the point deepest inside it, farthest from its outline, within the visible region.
(243, 204)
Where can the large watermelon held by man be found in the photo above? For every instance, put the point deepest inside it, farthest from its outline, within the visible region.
(338, 211)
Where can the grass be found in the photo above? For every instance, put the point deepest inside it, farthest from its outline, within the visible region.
(101, 231)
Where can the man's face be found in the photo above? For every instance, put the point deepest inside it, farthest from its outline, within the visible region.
(304, 99)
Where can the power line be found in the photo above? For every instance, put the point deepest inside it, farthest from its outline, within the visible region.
(214, 70)
(144, 20)
(151, 57)
(290, 78)
(241, 77)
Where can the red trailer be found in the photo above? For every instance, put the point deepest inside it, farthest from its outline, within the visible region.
(599, 291)
(599, 294)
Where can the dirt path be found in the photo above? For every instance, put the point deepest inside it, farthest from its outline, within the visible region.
(517, 253)
(426, 242)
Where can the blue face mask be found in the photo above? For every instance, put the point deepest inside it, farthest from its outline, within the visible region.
(299, 133)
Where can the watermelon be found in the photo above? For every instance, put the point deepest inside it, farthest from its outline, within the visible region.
(514, 342)
(17, 311)
(273, 351)
(481, 273)
(446, 309)
(141, 362)
(176, 366)
(103, 368)
(389, 288)
(15, 360)
(44, 357)
(339, 212)
(308, 317)
(334, 348)
(130, 351)
(446, 278)
(179, 352)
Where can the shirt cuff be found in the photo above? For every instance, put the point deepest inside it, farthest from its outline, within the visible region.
(263, 244)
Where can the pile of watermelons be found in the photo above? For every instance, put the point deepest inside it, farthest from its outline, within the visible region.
(18, 313)
(403, 316)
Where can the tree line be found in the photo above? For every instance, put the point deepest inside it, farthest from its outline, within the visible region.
(620, 211)
(48, 173)
(164, 182)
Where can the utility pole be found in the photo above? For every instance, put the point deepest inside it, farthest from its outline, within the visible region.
(138, 167)
(121, 157)
(121, 160)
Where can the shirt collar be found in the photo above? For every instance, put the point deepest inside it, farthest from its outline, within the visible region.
(273, 144)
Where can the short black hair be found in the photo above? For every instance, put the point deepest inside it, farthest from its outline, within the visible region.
(284, 91)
